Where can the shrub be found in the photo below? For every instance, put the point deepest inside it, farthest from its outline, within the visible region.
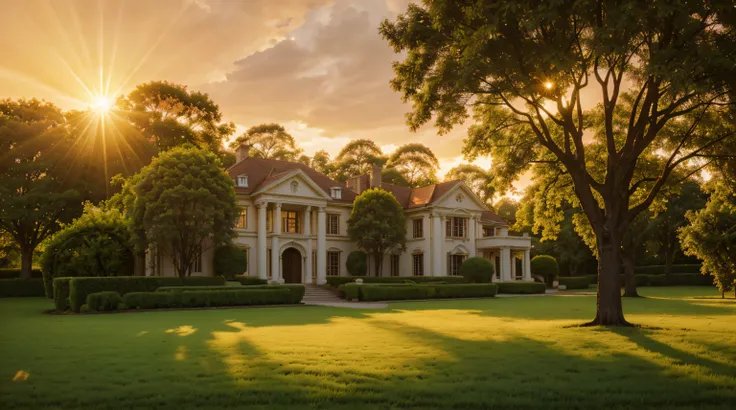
(150, 300)
(579, 282)
(230, 260)
(356, 263)
(545, 266)
(250, 280)
(689, 279)
(336, 281)
(104, 301)
(61, 294)
(98, 243)
(79, 288)
(477, 270)
(521, 288)
(466, 290)
(660, 269)
(13, 288)
(241, 297)
(14, 273)
(350, 291)
(371, 293)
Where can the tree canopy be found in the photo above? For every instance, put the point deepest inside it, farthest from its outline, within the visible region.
(357, 158)
(416, 163)
(665, 67)
(476, 178)
(270, 141)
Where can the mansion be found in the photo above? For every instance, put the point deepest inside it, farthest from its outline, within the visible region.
(293, 226)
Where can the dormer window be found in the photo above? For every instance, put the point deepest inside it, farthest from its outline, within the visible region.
(336, 192)
(243, 180)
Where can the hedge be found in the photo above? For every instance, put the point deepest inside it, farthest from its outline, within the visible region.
(274, 296)
(250, 280)
(373, 292)
(580, 282)
(104, 302)
(690, 279)
(79, 288)
(150, 300)
(13, 288)
(61, 294)
(521, 288)
(14, 273)
(336, 281)
(660, 269)
(296, 290)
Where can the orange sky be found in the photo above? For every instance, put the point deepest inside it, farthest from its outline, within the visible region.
(319, 67)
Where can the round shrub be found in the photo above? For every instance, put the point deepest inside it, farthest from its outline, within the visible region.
(356, 263)
(98, 243)
(545, 266)
(477, 270)
(230, 260)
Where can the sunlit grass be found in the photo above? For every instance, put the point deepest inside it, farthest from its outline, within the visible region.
(507, 353)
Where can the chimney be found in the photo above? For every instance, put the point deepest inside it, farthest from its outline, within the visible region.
(241, 152)
(376, 178)
(354, 184)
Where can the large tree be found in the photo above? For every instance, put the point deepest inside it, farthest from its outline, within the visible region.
(377, 225)
(181, 204)
(270, 141)
(36, 197)
(524, 66)
(416, 162)
(356, 158)
(479, 180)
(322, 163)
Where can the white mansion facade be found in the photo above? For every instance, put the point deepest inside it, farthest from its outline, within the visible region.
(293, 226)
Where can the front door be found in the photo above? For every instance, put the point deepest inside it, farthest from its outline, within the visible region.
(291, 260)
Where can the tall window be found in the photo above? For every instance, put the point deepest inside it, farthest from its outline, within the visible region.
(197, 268)
(395, 265)
(290, 221)
(333, 263)
(268, 263)
(417, 264)
(242, 221)
(453, 264)
(418, 228)
(456, 227)
(488, 231)
(333, 224)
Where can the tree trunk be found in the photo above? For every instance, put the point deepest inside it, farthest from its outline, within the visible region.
(26, 262)
(627, 260)
(609, 311)
(378, 260)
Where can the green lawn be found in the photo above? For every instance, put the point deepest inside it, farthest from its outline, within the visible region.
(502, 353)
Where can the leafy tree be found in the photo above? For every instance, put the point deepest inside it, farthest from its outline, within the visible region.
(230, 260)
(35, 197)
(524, 68)
(304, 159)
(416, 162)
(321, 163)
(479, 180)
(394, 177)
(377, 225)
(270, 141)
(357, 158)
(169, 115)
(477, 270)
(181, 204)
(506, 208)
(711, 236)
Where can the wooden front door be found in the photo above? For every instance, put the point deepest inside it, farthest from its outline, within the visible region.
(291, 261)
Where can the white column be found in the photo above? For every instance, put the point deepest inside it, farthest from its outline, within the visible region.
(308, 233)
(473, 229)
(427, 256)
(321, 247)
(505, 264)
(275, 251)
(437, 268)
(527, 272)
(261, 259)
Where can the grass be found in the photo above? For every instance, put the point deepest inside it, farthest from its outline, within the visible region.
(502, 353)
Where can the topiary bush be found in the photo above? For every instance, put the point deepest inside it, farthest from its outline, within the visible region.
(521, 288)
(98, 243)
(545, 266)
(14, 288)
(230, 260)
(357, 263)
(575, 282)
(477, 270)
(104, 302)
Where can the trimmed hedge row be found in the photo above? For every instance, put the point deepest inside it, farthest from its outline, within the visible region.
(79, 288)
(13, 288)
(660, 269)
(675, 279)
(208, 298)
(336, 281)
(579, 282)
(14, 273)
(104, 302)
(61, 294)
(521, 288)
(297, 291)
(250, 280)
(374, 292)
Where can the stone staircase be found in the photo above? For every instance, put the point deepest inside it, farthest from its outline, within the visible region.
(315, 295)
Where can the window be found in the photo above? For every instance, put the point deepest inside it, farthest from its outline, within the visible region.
(197, 268)
(333, 263)
(488, 231)
(456, 227)
(268, 263)
(418, 264)
(242, 221)
(290, 222)
(453, 264)
(395, 265)
(243, 180)
(336, 192)
(418, 228)
(333, 224)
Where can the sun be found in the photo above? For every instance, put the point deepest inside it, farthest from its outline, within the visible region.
(102, 104)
